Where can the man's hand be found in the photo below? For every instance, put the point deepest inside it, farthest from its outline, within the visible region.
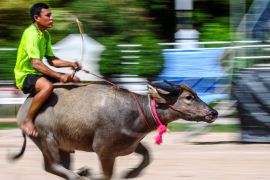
(76, 66)
(65, 78)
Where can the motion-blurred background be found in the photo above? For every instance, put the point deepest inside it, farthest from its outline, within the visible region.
(219, 48)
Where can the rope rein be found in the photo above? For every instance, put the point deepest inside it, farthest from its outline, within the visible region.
(88, 72)
(179, 108)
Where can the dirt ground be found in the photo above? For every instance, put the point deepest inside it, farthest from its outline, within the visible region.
(210, 156)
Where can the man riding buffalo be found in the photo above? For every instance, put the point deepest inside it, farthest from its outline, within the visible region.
(31, 74)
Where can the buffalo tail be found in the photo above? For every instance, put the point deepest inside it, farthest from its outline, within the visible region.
(12, 157)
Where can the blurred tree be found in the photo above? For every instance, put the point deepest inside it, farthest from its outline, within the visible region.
(212, 19)
(115, 22)
(162, 14)
(14, 18)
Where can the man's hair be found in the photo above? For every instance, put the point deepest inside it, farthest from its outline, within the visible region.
(36, 9)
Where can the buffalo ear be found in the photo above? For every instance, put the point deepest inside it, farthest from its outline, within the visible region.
(157, 92)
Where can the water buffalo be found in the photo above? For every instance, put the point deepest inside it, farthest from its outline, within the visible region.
(107, 120)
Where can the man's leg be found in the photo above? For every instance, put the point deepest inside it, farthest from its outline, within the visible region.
(43, 89)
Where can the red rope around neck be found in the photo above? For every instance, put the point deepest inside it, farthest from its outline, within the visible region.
(141, 111)
(161, 127)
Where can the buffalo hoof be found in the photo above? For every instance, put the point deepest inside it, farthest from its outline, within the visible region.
(84, 171)
(132, 174)
(85, 178)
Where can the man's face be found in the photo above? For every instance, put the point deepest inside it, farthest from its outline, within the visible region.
(45, 18)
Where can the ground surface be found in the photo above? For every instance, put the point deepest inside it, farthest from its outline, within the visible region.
(210, 156)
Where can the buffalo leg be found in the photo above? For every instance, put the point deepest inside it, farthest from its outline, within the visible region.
(107, 163)
(65, 160)
(56, 161)
(142, 150)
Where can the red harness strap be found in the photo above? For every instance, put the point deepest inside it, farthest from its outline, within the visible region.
(141, 111)
(134, 96)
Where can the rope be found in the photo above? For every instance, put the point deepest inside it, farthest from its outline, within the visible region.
(150, 107)
(88, 72)
(161, 127)
(176, 108)
(140, 109)
(134, 96)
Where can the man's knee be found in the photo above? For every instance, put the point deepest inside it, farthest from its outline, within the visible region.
(48, 88)
(44, 85)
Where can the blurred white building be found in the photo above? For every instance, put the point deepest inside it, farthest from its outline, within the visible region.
(87, 52)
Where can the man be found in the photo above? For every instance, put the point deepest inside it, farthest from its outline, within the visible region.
(31, 74)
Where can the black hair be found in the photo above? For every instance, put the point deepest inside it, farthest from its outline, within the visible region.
(36, 9)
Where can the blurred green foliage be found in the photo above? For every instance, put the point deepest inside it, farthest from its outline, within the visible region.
(14, 18)
(143, 59)
(8, 125)
(103, 20)
(122, 22)
(211, 18)
(189, 127)
(7, 63)
(113, 22)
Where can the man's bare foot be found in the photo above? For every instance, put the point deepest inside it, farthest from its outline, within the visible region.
(29, 128)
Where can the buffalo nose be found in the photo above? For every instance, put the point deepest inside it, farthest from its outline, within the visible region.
(214, 113)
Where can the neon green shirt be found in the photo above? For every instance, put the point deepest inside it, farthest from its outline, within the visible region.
(34, 44)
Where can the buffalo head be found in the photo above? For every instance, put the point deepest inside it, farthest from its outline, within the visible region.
(183, 102)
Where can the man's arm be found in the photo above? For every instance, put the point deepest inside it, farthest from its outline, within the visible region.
(41, 67)
(56, 62)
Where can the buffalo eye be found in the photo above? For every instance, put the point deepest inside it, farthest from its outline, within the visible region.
(189, 98)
